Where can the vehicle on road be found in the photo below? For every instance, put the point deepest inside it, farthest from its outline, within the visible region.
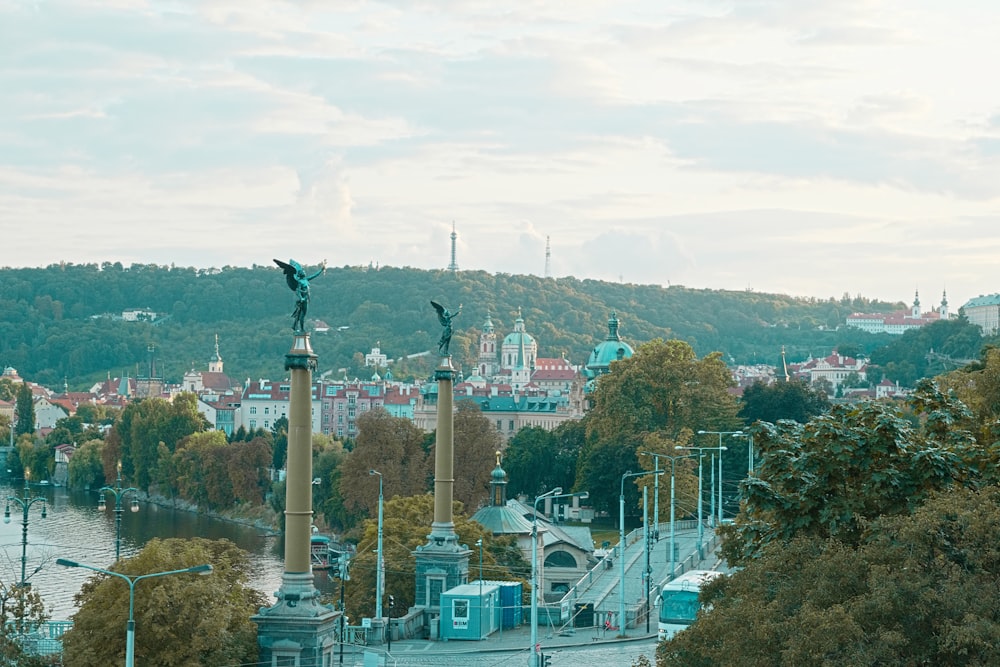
(679, 604)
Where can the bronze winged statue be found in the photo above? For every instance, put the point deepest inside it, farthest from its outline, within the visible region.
(445, 317)
(298, 281)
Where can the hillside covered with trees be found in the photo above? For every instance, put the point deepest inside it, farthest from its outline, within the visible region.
(62, 322)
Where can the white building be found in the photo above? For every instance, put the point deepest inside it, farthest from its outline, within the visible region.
(984, 311)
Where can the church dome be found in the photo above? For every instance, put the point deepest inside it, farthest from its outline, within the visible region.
(613, 348)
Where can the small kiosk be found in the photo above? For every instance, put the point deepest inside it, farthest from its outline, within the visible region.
(470, 611)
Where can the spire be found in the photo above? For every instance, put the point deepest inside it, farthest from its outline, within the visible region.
(613, 327)
(548, 258)
(498, 485)
(453, 267)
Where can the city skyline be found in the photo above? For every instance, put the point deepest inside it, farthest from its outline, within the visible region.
(803, 148)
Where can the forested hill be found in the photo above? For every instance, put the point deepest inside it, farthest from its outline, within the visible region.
(56, 322)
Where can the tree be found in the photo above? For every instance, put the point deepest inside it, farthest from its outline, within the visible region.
(477, 444)
(663, 387)
(773, 402)
(25, 411)
(22, 610)
(834, 475)
(408, 521)
(537, 460)
(910, 593)
(85, 468)
(394, 447)
(180, 619)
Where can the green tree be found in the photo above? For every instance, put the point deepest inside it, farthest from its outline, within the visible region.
(775, 401)
(663, 387)
(24, 411)
(537, 460)
(910, 593)
(477, 443)
(408, 521)
(180, 619)
(394, 447)
(85, 468)
(834, 475)
(22, 610)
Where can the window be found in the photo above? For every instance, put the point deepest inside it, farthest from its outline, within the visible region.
(267, 411)
(460, 613)
(253, 409)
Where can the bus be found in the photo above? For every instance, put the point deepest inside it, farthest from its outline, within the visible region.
(679, 601)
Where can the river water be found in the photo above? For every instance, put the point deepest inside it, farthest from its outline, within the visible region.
(76, 530)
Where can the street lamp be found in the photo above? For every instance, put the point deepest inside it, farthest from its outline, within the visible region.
(25, 502)
(380, 567)
(621, 544)
(119, 493)
(552, 493)
(132, 581)
(656, 491)
(673, 496)
(721, 449)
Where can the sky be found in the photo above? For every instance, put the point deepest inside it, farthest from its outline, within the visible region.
(804, 147)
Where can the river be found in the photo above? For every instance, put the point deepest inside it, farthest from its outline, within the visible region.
(76, 530)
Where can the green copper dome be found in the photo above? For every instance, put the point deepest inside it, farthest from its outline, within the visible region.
(611, 349)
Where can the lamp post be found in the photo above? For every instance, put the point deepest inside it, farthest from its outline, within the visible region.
(721, 449)
(132, 580)
(673, 496)
(380, 567)
(552, 493)
(26, 501)
(119, 493)
(701, 523)
(656, 492)
(621, 545)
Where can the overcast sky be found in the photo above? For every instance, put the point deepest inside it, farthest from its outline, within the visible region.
(808, 147)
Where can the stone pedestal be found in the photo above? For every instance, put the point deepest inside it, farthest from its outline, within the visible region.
(298, 629)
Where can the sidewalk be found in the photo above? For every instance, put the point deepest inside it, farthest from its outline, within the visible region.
(519, 639)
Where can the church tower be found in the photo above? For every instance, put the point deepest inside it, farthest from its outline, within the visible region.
(915, 312)
(488, 367)
(215, 363)
(943, 311)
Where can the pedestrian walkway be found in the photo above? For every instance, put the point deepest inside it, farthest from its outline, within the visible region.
(599, 588)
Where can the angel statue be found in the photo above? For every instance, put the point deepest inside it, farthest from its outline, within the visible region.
(445, 317)
(298, 281)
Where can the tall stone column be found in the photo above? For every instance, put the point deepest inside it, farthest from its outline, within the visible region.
(298, 627)
(442, 563)
(443, 527)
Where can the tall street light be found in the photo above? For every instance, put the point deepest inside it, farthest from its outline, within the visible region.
(132, 580)
(621, 545)
(26, 501)
(721, 449)
(656, 491)
(701, 499)
(673, 502)
(380, 567)
(552, 493)
(119, 493)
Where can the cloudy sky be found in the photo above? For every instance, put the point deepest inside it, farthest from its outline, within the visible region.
(810, 147)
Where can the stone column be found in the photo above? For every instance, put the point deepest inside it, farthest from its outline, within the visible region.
(298, 628)
(442, 563)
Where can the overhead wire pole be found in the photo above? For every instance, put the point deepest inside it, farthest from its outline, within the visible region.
(551, 494)
(720, 448)
(621, 547)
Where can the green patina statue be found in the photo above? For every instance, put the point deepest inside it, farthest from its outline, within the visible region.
(445, 317)
(298, 281)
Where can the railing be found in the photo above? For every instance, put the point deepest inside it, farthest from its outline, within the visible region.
(42, 639)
